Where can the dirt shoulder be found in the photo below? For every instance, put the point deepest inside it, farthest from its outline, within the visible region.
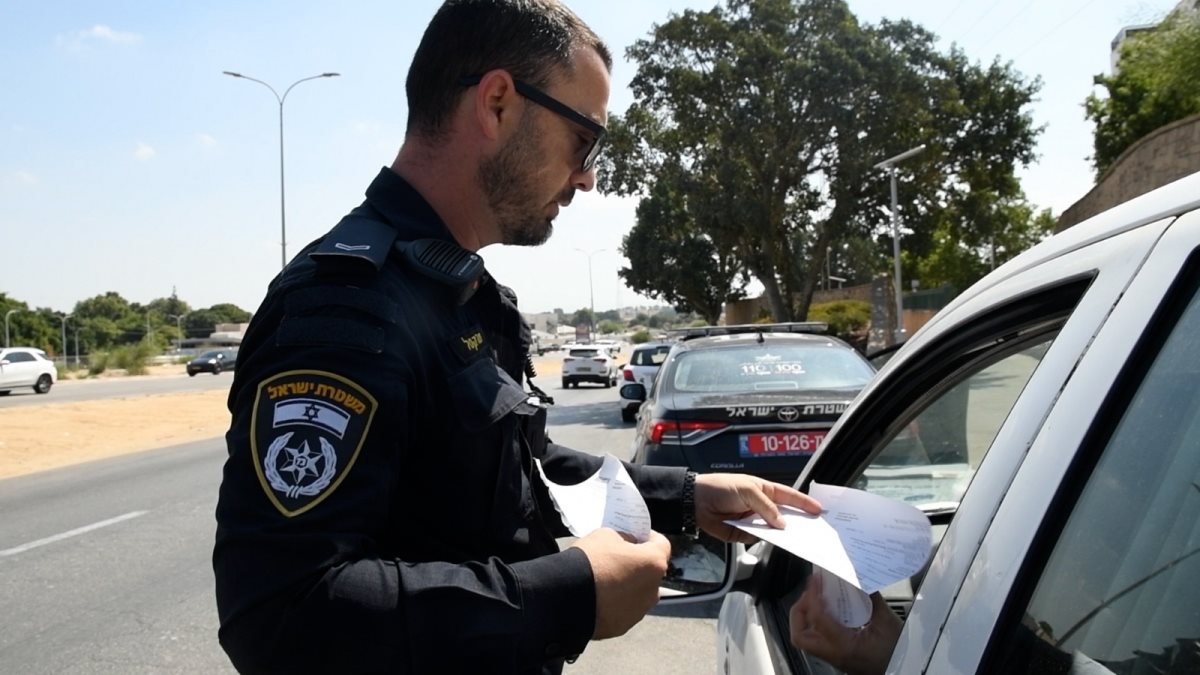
(41, 437)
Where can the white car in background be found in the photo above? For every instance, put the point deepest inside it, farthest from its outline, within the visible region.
(644, 362)
(26, 367)
(1048, 423)
(589, 363)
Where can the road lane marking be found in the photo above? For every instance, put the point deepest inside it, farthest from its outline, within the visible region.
(71, 533)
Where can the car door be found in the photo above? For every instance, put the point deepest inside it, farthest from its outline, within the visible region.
(1090, 561)
(944, 426)
(21, 369)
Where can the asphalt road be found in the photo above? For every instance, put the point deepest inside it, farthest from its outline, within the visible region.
(105, 566)
(74, 391)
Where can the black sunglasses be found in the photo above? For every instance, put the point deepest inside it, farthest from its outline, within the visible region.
(558, 107)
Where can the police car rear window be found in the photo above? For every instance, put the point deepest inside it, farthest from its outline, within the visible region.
(584, 353)
(770, 367)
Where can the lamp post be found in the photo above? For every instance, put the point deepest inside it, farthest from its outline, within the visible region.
(591, 295)
(179, 328)
(281, 99)
(63, 318)
(889, 165)
(6, 315)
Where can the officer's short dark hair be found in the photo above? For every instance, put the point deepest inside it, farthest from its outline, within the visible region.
(531, 39)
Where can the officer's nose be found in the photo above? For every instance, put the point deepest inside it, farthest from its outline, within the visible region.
(584, 181)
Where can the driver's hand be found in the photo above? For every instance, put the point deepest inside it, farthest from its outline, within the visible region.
(856, 651)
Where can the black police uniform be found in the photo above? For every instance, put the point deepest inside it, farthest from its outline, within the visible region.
(380, 509)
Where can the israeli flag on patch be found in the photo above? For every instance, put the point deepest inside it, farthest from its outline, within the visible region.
(313, 413)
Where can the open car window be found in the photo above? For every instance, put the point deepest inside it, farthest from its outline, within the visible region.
(930, 460)
(921, 438)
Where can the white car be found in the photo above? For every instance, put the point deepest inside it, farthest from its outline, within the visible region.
(589, 363)
(644, 362)
(26, 367)
(1048, 422)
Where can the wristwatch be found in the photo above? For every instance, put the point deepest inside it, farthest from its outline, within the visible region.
(688, 502)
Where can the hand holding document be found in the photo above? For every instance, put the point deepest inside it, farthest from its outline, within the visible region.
(865, 540)
(608, 498)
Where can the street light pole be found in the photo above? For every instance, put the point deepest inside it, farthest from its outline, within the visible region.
(179, 328)
(889, 165)
(63, 318)
(591, 295)
(6, 315)
(281, 99)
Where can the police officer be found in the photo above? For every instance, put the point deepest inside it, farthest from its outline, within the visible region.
(381, 509)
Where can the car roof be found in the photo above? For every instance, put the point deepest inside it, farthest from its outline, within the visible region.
(737, 339)
(1168, 201)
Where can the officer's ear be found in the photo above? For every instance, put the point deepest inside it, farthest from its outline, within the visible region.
(444, 262)
(496, 105)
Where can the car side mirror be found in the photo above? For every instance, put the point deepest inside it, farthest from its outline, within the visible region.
(633, 392)
(5, 362)
(701, 569)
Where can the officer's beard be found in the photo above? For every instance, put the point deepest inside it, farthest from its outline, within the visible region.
(507, 180)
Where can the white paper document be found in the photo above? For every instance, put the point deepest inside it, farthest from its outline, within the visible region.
(608, 498)
(866, 539)
(846, 603)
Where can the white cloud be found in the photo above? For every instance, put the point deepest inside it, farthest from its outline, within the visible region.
(144, 152)
(99, 33)
(206, 140)
(102, 32)
(26, 177)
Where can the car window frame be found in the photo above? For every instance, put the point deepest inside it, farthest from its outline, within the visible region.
(983, 585)
(1096, 440)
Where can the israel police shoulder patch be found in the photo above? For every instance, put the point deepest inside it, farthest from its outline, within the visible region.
(308, 428)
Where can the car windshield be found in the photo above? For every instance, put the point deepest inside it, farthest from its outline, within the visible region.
(209, 355)
(767, 367)
(584, 353)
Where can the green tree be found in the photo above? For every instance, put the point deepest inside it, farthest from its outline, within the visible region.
(1155, 85)
(673, 260)
(582, 317)
(960, 256)
(755, 128)
(29, 327)
(608, 327)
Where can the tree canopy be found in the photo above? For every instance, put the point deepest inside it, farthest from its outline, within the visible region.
(108, 320)
(752, 138)
(1156, 83)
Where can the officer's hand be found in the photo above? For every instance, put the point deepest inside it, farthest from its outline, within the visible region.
(726, 496)
(627, 578)
(855, 651)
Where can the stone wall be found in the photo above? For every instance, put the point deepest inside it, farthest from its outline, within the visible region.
(1162, 156)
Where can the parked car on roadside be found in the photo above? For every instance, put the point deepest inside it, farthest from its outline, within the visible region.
(644, 362)
(589, 363)
(1048, 423)
(754, 399)
(26, 367)
(215, 361)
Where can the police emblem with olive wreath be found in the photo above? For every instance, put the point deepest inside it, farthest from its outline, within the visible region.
(308, 428)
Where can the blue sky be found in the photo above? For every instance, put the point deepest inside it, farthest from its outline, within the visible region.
(129, 163)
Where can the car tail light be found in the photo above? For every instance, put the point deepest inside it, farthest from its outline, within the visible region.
(600, 359)
(680, 431)
(627, 374)
(567, 358)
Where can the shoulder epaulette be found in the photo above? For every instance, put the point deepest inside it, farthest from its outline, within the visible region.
(356, 239)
